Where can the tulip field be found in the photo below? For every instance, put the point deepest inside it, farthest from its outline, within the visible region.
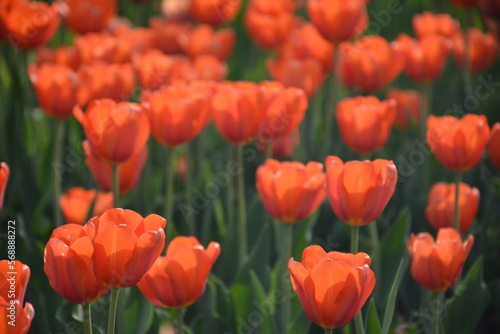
(249, 166)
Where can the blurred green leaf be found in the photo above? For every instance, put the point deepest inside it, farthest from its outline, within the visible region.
(266, 305)
(391, 301)
(372, 322)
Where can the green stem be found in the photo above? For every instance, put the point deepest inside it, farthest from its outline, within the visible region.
(375, 241)
(189, 188)
(269, 149)
(328, 330)
(169, 188)
(116, 186)
(242, 226)
(87, 319)
(112, 310)
(180, 321)
(467, 59)
(354, 239)
(229, 199)
(56, 165)
(286, 255)
(330, 105)
(456, 209)
(435, 312)
(424, 108)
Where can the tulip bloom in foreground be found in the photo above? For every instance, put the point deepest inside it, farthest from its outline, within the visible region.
(437, 264)
(76, 202)
(441, 202)
(332, 287)
(493, 146)
(178, 279)
(125, 246)
(458, 143)
(290, 191)
(359, 190)
(69, 267)
(4, 178)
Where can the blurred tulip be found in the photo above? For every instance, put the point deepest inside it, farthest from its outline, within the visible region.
(490, 9)
(338, 20)
(269, 22)
(205, 68)
(125, 246)
(175, 9)
(176, 114)
(56, 87)
(69, 267)
(99, 47)
(77, 201)
(22, 316)
(85, 16)
(14, 277)
(154, 69)
(134, 41)
(63, 55)
(237, 110)
(31, 23)
(167, 34)
(214, 12)
(430, 23)
(203, 40)
(483, 49)
(369, 64)
(436, 264)
(408, 104)
(178, 279)
(441, 202)
(4, 179)
(115, 131)
(493, 146)
(365, 122)
(284, 146)
(466, 3)
(359, 190)
(332, 287)
(458, 143)
(129, 172)
(424, 58)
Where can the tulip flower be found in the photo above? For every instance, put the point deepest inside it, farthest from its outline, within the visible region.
(441, 201)
(154, 69)
(483, 49)
(408, 104)
(290, 191)
(430, 23)
(436, 264)
(493, 146)
(338, 20)
(369, 64)
(77, 201)
(63, 55)
(281, 147)
(22, 317)
(167, 33)
(359, 190)
(365, 122)
(203, 40)
(68, 255)
(85, 16)
(204, 67)
(458, 143)
(56, 87)
(323, 280)
(4, 178)
(115, 131)
(214, 12)
(178, 279)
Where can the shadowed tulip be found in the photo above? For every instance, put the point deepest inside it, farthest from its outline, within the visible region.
(63, 55)
(332, 287)
(365, 122)
(204, 67)
(76, 203)
(85, 16)
(178, 279)
(408, 104)
(125, 246)
(493, 146)
(430, 23)
(458, 144)
(99, 47)
(483, 49)
(466, 3)
(69, 267)
(167, 34)
(4, 179)
(290, 191)
(359, 190)
(203, 40)
(214, 12)
(436, 264)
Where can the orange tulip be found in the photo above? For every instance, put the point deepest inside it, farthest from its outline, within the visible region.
(203, 40)
(436, 265)
(176, 114)
(76, 202)
(458, 143)
(13, 311)
(56, 87)
(424, 58)
(4, 178)
(129, 172)
(115, 131)
(493, 146)
(31, 23)
(133, 40)
(204, 67)
(430, 23)
(125, 246)
(338, 20)
(14, 277)
(269, 22)
(441, 203)
(290, 191)
(483, 49)
(359, 190)
(85, 16)
(237, 110)
(369, 64)
(365, 122)
(167, 34)
(178, 279)
(63, 55)
(408, 104)
(214, 12)
(69, 267)
(332, 287)
(98, 47)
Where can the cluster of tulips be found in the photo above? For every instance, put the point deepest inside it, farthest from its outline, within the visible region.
(124, 84)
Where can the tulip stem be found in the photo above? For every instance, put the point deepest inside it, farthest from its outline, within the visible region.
(242, 226)
(328, 330)
(189, 187)
(331, 102)
(112, 310)
(56, 165)
(436, 305)
(169, 187)
(87, 319)
(269, 149)
(180, 321)
(375, 241)
(467, 59)
(116, 186)
(456, 211)
(354, 239)
(287, 254)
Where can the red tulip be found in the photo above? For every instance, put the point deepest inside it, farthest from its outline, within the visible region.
(332, 287)
(85, 16)
(214, 12)
(493, 146)
(408, 104)
(483, 49)
(99, 47)
(63, 55)
(4, 178)
(22, 316)
(430, 23)
(203, 40)
(76, 203)
(178, 279)
(167, 34)
(436, 264)
(155, 69)
(204, 67)
(359, 190)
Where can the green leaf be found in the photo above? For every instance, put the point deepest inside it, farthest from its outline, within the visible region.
(266, 305)
(240, 294)
(391, 301)
(372, 322)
